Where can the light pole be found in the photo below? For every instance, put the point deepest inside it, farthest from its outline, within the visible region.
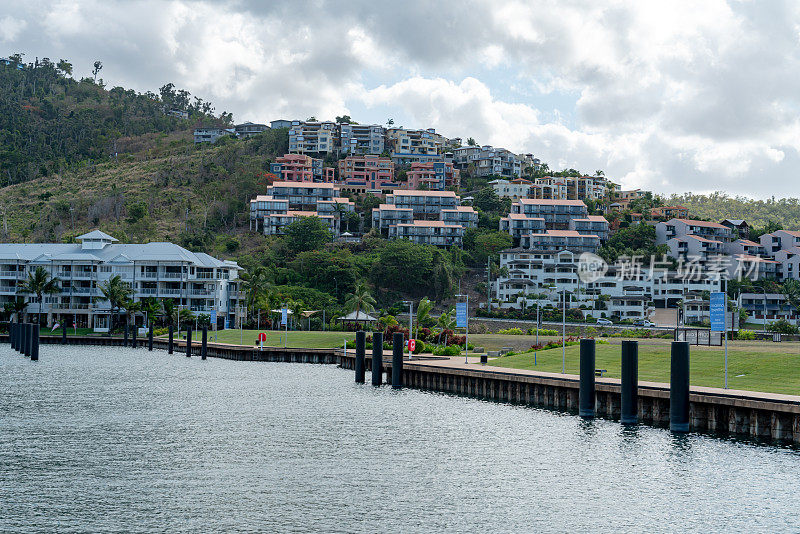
(564, 333)
(410, 325)
(466, 328)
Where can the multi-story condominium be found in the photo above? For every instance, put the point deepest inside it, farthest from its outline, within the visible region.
(409, 146)
(556, 240)
(684, 227)
(249, 129)
(573, 187)
(359, 174)
(756, 268)
(303, 196)
(276, 223)
(557, 214)
(765, 308)
(280, 123)
(788, 267)
(694, 246)
(518, 224)
(627, 195)
(780, 240)
(739, 227)
(264, 205)
(436, 233)
(465, 216)
(212, 135)
(528, 161)
(591, 225)
(669, 212)
(745, 246)
(361, 138)
(194, 281)
(436, 176)
(514, 189)
(312, 137)
(488, 161)
(672, 287)
(388, 215)
(425, 204)
(301, 168)
(542, 278)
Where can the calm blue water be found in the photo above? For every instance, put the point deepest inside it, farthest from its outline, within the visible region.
(112, 439)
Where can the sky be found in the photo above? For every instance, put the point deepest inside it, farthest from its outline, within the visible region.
(668, 96)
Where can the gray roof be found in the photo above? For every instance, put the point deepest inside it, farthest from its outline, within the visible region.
(61, 252)
(96, 234)
(361, 316)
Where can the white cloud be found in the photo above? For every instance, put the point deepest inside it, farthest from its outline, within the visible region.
(676, 96)
(10, 28)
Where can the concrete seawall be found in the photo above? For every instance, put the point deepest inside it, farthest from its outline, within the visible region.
(729, 412)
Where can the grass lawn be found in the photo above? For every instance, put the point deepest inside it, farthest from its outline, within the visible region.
(768, 367)
(296, 339)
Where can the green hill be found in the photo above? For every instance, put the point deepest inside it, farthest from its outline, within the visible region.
(784, 212)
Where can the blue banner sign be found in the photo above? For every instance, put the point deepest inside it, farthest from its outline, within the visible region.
(284, 313)
(461, 315)
(718, 311)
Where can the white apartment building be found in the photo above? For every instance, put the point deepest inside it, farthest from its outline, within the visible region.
(488, 161)
(684, 227)
(196, 281)
(361, 139)
(272, 214)
(312, 137)
(436, 233)
(513, 189)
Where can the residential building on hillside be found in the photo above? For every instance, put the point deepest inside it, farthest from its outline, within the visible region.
(424, 204)
(272, 215)
(488, 161)
(264, 205)
(573, 187)
(436, 176)
(359, 174)
(280, 123)
(695, 246)
(738, 226)
(436, 233)
(249, 129)
(193, 280)
(557, 214)
(765, 308)
(312, 137)
(591, 225)
(557, 240)
(745, 246)
(361, 138)
(513, 189)
(301, 168)
(303, 196)
(409, 146)
(518, 225)
(528, 161)
(780, 240)
(212, 135)
(685, 227)
(465, 216)
(669, 212)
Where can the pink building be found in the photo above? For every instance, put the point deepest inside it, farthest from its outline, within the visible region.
(301, 168)
(435, 175)
(359, 174)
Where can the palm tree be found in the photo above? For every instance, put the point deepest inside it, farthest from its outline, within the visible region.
(152, 307)
(423, 313)
(16, 306)
(131, 309)
(39, 283)
(116, 292)
(446, 321)
(256, 286)
(360, 299)
(168, 311)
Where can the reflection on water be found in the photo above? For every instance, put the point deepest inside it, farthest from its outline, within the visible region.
(113, 439)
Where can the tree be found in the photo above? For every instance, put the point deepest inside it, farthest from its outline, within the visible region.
(471, 142)
(360, 299)
(424, 314)
(168, 311)
(65, 67)
(15, 307)
(344, 119)
(131, 308)
(98, 66)
(40, 283)
(390, 122)
(307, 233)
(486, 199)
(256, 287)
(791, 291)
(116, 292)
(482, 244)
(152, 308)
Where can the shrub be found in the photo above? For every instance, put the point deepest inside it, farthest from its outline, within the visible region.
(782, 326)
(543, 332)
(450, 350)
(511, 332)
(745, 335)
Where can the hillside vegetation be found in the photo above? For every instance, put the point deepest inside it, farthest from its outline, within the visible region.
(783, 212)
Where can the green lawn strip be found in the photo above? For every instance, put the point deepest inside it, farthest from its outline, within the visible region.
(776, 371)
(295, 339)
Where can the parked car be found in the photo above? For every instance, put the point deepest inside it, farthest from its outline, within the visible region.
(644, 323)
(604, 322)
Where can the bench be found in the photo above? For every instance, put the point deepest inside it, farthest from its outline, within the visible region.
(599, 372)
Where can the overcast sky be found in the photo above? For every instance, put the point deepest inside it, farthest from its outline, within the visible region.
(669, 96)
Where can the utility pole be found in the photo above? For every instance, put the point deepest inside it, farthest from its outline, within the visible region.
(489, 284)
